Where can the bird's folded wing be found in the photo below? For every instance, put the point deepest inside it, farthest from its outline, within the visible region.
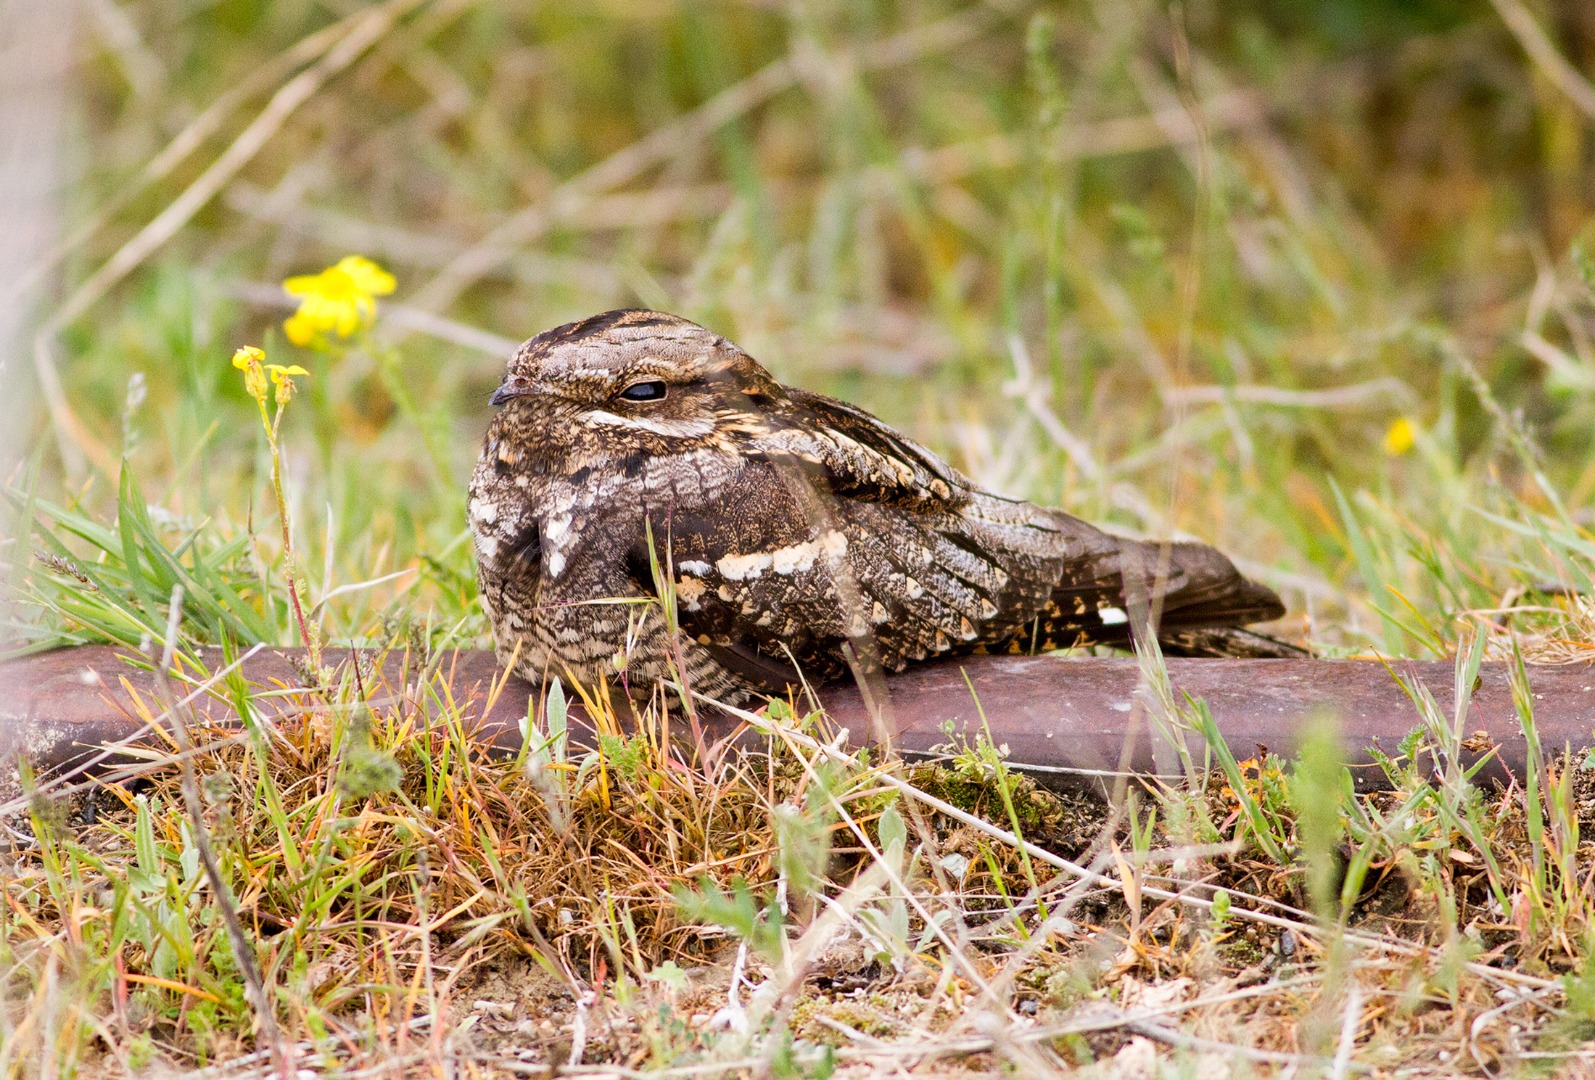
(779, 571)
(856, 456)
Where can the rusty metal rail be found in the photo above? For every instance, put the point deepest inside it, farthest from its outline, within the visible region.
(1070, 722)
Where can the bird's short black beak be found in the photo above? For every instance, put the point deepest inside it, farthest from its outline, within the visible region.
(512, 387)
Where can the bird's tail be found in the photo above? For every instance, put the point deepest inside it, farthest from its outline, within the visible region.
(1194, 596)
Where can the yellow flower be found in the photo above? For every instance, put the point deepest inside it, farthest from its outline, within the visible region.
(282, 379)
(252, 362)
(1400, 436)
(248, 359)
(339, 300)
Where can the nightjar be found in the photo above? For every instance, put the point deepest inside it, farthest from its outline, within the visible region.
(652, 508)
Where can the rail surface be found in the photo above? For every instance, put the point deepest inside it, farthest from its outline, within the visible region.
(1068, 721)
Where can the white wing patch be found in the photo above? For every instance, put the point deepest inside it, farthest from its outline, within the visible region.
(690, 590)
(741, 567)
(789, 560)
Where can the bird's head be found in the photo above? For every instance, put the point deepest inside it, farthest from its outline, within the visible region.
(638, 379)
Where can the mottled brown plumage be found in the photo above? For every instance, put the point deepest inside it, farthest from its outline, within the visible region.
(636, 454)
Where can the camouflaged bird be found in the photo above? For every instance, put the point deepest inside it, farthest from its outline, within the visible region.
(636, 455)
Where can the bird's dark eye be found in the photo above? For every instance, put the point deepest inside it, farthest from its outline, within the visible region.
(652, 390)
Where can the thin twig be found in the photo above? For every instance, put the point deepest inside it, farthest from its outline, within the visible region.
(243, 954)
(1375, 392)
(1180, 1040)
(1552, 64)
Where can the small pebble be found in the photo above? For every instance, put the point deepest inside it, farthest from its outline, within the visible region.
(955, 864)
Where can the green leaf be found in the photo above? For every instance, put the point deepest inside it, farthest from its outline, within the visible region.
(893, 832)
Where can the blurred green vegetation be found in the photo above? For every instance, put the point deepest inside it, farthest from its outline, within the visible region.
(1229, 244)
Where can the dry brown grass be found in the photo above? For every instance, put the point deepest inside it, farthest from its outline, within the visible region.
(503, 916)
